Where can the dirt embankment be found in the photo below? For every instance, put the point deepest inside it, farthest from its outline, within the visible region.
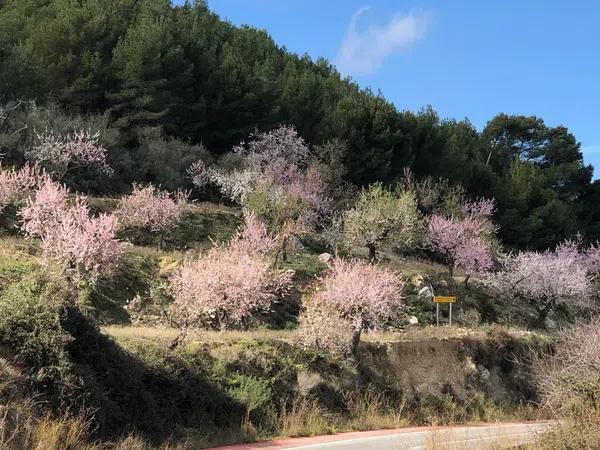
(462, 368)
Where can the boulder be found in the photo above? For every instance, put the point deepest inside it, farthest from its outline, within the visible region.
(412, 320)
(325, 257)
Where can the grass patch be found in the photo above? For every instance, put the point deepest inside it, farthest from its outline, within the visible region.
(199, 227)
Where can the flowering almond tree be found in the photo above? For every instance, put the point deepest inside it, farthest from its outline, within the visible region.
(466, 242)
(59, 154)
(544, 279)
(380, 217)
(224, 289)
(278, 183)
(199, 174)
(150, 208)
(18, 185)
(228, 285)
(365, 294)
(69, 234)
(253, 238)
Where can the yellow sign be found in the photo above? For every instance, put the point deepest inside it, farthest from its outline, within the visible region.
(446, 299)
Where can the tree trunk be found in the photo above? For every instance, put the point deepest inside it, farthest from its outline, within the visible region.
(372, 253)
(543, 313)
(355, 341)
(179, 339)
(467, 279)
(284, 255)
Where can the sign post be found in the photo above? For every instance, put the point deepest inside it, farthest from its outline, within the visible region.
(443, 299)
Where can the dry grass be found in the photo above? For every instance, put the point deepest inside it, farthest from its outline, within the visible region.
(11, 244)
(445, 332)
(372, 411)
(304, 417)
(65, 433)
(496, 439)
(166, 335)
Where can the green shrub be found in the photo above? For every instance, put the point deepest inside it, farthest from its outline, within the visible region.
(31, 314)
(14, 263)
(252, 392)
(77, 368)
(139, 273)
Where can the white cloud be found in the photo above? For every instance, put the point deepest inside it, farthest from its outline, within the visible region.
(363, 52)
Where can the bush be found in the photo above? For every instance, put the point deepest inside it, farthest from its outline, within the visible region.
(76, 368)
(320, 327)
(31, 312)
(570, 382)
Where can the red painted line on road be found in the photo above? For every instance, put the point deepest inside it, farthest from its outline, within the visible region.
(279, 444)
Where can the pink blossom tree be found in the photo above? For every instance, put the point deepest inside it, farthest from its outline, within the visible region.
(224, 289)
(464, 242)
(228, 285)
(150, 208)
(482, 207)
(59, 154)
(84, 244)
(278, 183)
(544, 279)
(365, 294)
(253, 238)
(18, 185)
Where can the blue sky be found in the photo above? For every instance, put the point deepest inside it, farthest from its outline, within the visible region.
(466, 58)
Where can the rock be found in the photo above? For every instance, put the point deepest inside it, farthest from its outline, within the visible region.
(426, 292)
(325, 257)
(550, 325)
(412, 320)
(483, 372)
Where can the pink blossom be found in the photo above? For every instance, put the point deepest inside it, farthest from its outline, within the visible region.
(462, 242)
(473, 256)
(62, 153)
(253, 238)
(18, 185)
(365, 294)
(544, 279)
(280, 154)
(225, 288)
(44, 212)
(68, 233)
(592, 258)
(151, 208)
(588, 258)
(483, 207)
(277, 164)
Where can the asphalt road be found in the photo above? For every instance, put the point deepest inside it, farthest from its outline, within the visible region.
(478, 437)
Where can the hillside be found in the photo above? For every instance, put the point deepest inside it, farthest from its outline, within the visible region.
(229, 386)
(167, 85)
(208, 239)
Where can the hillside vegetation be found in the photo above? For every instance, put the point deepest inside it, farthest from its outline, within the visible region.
(205, 239)
(168, 85)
